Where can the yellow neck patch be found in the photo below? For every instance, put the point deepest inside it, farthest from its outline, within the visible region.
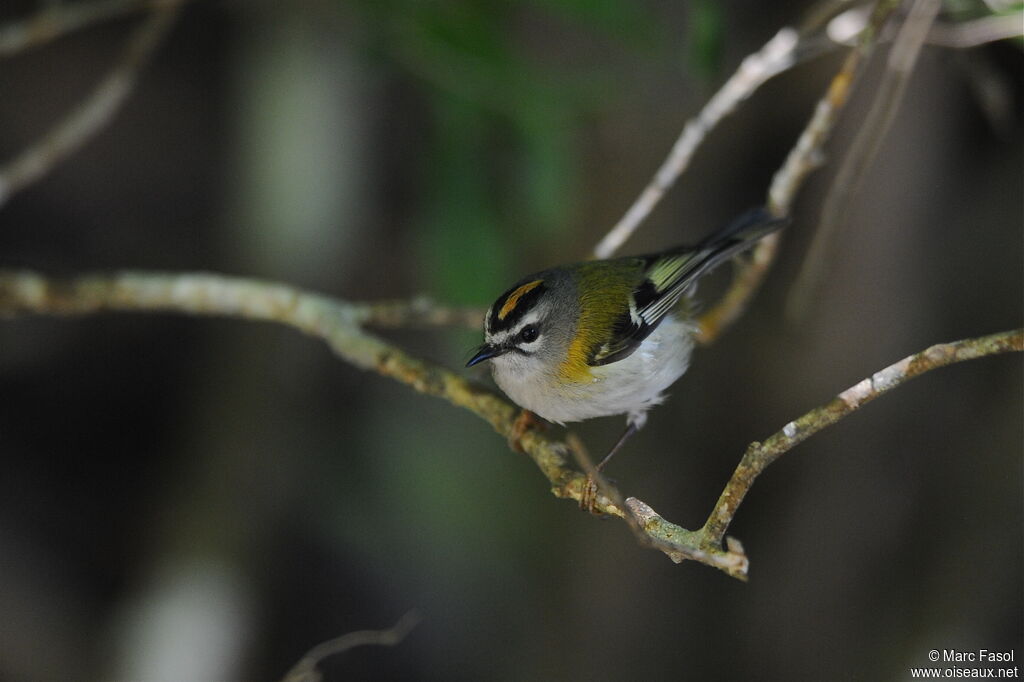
(605, 290)
(513, 298)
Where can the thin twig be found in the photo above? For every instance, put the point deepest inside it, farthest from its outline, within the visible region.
(963, 34)
(306, 669)
(93, 113)
(777, 55)
(821, 14)
(759, 455)
(975, 32)
(805, 156)
(845, 186)
(337, 323)
(59, 19)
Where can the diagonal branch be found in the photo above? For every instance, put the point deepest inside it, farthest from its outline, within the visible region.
(337, 323)
(845, 186)
(759, 455)
(92, 114)
(340, 323)
(805, 156)
(58, 19)
(777, 55)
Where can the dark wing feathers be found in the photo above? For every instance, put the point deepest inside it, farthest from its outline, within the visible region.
(669, 275)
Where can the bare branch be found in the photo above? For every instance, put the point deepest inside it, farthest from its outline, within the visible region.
(845, 186)
(977, 32)
(661, 534)
(340, 323)
(92, 114)
(337, 323)
(759, 455)
(419, 312)
(805, 156)
(777, 55)
(306, 669)
(59, 19)
(963, 34)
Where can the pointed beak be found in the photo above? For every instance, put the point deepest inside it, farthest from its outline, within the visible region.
(485, 352)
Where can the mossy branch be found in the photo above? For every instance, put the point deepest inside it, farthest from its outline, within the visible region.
(759, 455)
(339, 324)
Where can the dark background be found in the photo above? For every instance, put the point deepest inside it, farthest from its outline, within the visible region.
(207, 499)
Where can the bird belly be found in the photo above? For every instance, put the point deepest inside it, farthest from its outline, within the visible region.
(628, 386)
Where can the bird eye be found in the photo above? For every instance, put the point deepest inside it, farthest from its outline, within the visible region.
(529, 333)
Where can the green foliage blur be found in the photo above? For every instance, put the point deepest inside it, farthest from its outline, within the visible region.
(200, 492)
(490, 96)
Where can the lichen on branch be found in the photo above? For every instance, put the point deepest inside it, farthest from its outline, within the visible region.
(338, 323)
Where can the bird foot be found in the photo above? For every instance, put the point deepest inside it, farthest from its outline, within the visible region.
(588, 496)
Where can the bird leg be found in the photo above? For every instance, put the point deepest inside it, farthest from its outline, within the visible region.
(588, 496)
(631, 428)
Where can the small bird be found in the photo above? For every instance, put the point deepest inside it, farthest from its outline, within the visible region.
(602, 338)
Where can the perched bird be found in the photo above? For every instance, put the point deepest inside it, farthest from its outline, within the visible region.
(602, 338)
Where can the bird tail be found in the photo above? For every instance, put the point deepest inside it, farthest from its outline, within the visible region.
(736, 237)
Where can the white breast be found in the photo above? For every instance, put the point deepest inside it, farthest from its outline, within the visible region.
(629, 386)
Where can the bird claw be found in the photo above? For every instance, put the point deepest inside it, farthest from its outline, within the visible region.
(588, 496)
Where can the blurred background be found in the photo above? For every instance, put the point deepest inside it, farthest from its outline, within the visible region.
(206, 499)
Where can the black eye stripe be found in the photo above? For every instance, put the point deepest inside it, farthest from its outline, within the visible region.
(525, 303)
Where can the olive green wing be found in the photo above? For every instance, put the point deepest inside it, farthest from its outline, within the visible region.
(667, 276)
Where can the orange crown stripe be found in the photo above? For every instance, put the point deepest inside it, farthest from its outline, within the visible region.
(513, 298)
